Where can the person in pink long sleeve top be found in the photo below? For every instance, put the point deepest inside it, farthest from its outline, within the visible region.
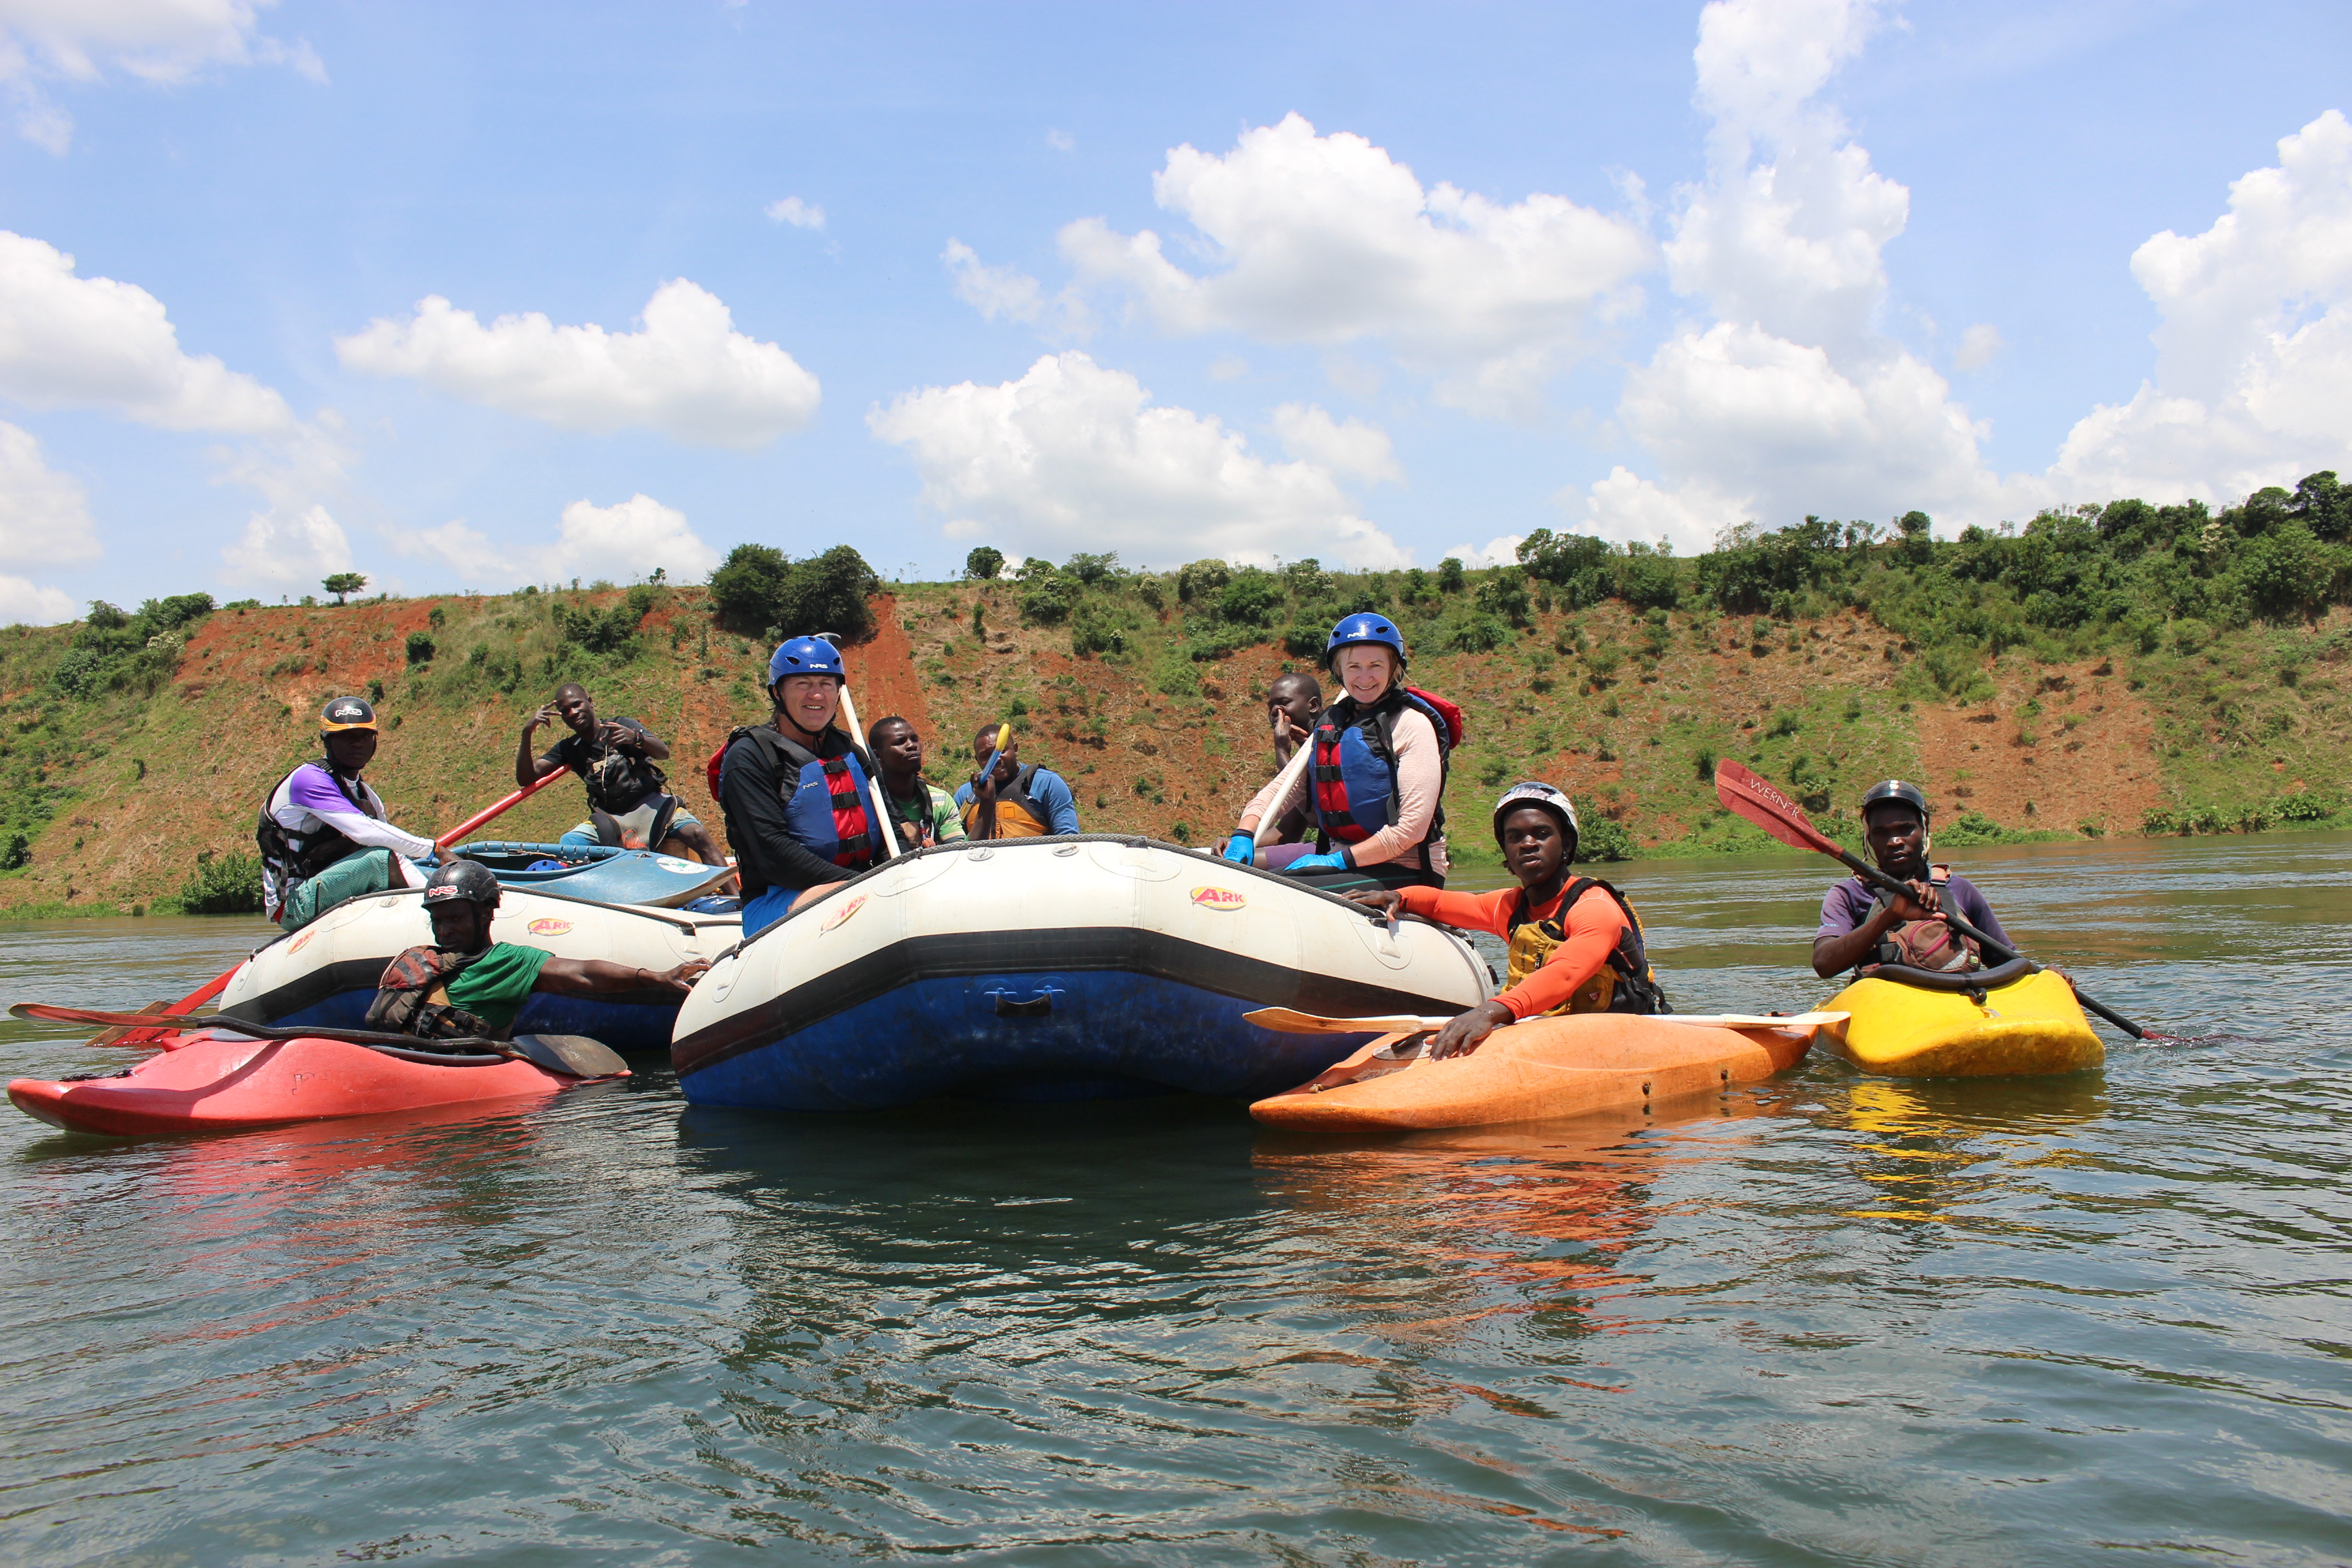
(1372, 790)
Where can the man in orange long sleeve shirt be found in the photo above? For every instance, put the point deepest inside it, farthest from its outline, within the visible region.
(1576, 945)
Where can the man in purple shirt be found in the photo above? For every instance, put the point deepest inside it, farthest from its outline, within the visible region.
(323, 832)
(1861, 926)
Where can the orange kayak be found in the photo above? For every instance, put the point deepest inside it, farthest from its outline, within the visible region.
(1534, 1071)
(200, 1083)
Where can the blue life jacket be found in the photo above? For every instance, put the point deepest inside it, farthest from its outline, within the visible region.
(1353, 786)
(827, 807)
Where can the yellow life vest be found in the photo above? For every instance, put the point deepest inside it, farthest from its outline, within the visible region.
(1019, 813)
(1625, 983)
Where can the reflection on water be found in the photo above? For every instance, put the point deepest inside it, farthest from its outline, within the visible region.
(1827, 1319)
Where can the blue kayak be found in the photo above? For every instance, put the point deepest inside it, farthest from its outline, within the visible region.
(597, 873)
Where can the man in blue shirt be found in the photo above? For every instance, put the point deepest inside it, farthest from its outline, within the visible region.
(1863, 926)
(1013, 802)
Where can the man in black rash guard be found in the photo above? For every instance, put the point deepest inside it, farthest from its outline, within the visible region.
(799, 814)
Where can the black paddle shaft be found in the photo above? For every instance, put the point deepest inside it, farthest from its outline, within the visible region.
(1872, 874)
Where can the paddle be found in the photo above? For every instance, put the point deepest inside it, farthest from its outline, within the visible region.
(1776, 814)
(212, 988)
(873, 773)
(1282, 783)
(1285, 1021)
(575, 1056)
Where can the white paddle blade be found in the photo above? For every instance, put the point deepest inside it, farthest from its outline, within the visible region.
(1285, 1021)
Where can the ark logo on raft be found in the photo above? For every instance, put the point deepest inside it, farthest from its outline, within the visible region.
(1218, 899)
(549, 927)
(841, 914)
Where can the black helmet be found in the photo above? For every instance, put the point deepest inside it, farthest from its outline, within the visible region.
(1896, 789)
(465, 880)
(346, 713)
(1543, 797)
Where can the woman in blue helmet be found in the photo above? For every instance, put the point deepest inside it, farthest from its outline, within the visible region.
(793, 790)
(1373, 791)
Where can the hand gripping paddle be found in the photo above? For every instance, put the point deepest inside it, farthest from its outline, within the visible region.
(1776, 814)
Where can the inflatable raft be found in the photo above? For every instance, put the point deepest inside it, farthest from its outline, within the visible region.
(597, 873)
(209, 1082)
(1077, 968)
(324, 976)
(1910, 1022)
(1537, 1070)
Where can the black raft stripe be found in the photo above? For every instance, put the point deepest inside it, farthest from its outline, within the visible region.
(1082, 949)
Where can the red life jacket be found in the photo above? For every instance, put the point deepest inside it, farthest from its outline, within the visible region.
(1353, 778)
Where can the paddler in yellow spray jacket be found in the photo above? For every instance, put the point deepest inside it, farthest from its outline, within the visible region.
(1012, 800)
(1575, 943)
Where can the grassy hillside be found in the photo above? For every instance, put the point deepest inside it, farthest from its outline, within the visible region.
(2107, 671)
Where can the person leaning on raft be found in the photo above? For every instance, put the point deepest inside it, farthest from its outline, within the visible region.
(629, 803)
(921, 813)
(322, 832)
(1576, 946)
(1293, 704)
(1863, 926)
(799, 814)
(465, 985)
(1374, 787)
(1013, 802)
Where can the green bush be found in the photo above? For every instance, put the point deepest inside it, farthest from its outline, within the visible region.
(1203, 580)
(1602, 840)
(222, 885)
(983, 562)
(757, 592)
(1048, 599)
(420, 647)
(18, 853)
(1250, 597)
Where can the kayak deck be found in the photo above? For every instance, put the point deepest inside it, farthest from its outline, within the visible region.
(1537, 1070)
(2032, 1026)
(203, 1083)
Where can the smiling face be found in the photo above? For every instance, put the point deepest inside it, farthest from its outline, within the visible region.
(1898, 838)
(350, 750)
(1533, 846)
(1366, 670)
(1008, 761)
(576, 710)
(808, 700)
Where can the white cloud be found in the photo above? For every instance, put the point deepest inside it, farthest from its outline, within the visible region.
(2253, 382)
(623, 542)
(689, 374)
(157, 41)
(26, 603)
(797, 212)
(1061, 141)
(1074, 456)
(67, 341)
(289, 549)
(1228, 367)
(1327, 240)
(1501, 550)
(993, 291)
(1354, 448)
(1979, 346)
(44, 514)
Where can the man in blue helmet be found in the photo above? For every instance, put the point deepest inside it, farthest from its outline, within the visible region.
(1860, 925)
(1373, 791)
(794, 791)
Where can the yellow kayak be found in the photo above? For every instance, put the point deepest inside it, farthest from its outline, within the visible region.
(2011, 1023)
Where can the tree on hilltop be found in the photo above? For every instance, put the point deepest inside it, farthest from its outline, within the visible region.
(344, 583)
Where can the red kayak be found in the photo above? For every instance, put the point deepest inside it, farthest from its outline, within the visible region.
(203, 1082)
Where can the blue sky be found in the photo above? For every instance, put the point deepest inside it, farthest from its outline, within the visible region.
(1424, 279)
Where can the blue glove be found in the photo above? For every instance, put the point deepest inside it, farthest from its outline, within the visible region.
(1240, 848)
(1319, 863)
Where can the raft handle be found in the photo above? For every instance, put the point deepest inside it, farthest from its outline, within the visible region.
(1041, 1005)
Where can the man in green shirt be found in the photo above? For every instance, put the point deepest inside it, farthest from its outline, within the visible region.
(921, 814)
(465, 985)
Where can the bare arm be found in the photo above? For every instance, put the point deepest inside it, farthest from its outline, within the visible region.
(1835, 954)
(643, 741)
(529, 766)
(590, 976)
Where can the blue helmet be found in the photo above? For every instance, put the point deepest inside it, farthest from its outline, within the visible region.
(1364, 629)
(805, 656)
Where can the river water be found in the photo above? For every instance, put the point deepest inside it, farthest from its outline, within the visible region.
(1834, 1320)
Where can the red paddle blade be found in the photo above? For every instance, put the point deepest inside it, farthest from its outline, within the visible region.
(1768, 808)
